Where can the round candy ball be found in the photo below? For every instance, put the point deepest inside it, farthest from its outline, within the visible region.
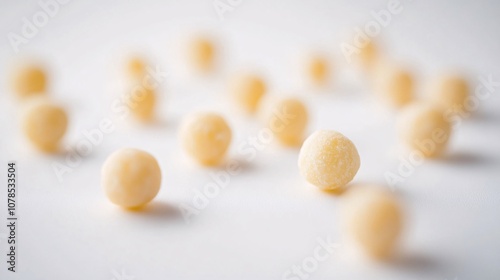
(328, 159)
(44, 124)
(368, 55)
(450, 93)
(142, 101)
(205, 137)
(130, 177)
(201, 54)
(29, 80)
(136, 67)
(317, 70)
(287, 118)
(423, 128)
(247, 90)
(373, 219)
(394, 86)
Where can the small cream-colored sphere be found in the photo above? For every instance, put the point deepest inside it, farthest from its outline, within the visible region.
(287, 118)
(136, 67)
(373, 219)
(131, 178)
(328, 159)
(317, 70)
(368, 55)
(248, 90)
(142, 102)
(423, 128)
(29, 80)
(451, 93)
(206, 137)
(201, 54)
(44, 124)
(395, 86)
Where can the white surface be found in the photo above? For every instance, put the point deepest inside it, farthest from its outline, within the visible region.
(267, 219)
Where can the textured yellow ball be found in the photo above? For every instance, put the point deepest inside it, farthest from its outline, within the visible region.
(131, 177)
(247, 90)
(29, 80)
(142, 101)
(373, 218)
(394, 86)
(424, 129)
(44, 124)
(317, 70)
(201, 54)
(328, 160)
(205, 137)
(136, 67)
(287, 118)
(451, 93)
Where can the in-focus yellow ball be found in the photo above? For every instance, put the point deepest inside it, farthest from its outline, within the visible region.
(395, 86)
(206, 137)
(328, 160)
(29, 80)
(44, 124)
(451, 93)
(287, 118)
(131, 178)
(247, 90)
(373, 218)
(142, 102)
(201, 54)
(423, 128)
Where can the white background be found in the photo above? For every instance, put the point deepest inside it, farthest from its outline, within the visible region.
(267, 219)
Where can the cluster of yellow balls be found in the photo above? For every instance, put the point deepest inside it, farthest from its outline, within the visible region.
(329, 160)
(144, 96)
(44, 123)
(421, 119)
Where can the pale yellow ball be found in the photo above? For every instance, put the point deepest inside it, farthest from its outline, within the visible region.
(450, 93)
(136, 67)
(44, 124)
(205, 137)
(328, 160)
(29, 80)
(394, 86)
(317, 70)
(373, 218)
(247, 90)
(201, 54)
(368, 55)
(287, 118)
(142, 102)
(130, 177)
(424, 129)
